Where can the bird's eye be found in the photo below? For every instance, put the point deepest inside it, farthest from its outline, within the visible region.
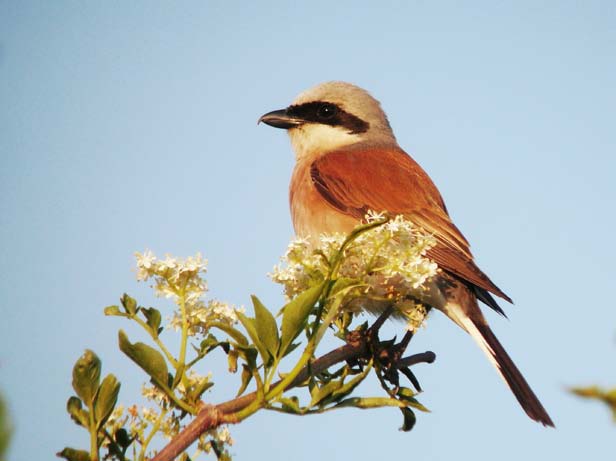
(326, 111)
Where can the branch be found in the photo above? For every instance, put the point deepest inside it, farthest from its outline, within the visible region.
(212, 416)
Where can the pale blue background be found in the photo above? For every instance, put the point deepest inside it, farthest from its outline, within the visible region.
(132, 125)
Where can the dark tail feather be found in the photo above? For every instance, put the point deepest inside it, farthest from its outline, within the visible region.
(487, 299)
(512, 376)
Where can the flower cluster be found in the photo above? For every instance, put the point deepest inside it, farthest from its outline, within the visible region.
(139, 422)
(385, 264)
(200, 316)
(216, 440)
(173, 277)
(181, 280)
(136, 422)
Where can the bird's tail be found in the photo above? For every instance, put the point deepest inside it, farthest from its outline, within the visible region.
(492, 347)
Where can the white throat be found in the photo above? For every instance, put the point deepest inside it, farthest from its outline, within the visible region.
(311, 140)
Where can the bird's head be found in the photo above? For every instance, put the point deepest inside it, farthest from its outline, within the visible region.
(330, 116)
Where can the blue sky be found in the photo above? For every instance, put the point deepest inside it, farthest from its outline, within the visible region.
(132, 125)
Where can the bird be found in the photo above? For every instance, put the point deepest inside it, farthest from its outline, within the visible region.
(347, 161)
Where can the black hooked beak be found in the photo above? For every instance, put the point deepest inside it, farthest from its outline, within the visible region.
(280, 119)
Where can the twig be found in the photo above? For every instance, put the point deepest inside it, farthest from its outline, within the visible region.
(211, 416)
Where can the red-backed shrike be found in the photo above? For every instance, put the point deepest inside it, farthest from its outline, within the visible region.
(348, 162)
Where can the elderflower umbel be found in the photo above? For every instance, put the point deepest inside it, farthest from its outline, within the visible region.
(173, 277)
(219, 436)
(181, 280)
(154, 394)
(387, 262)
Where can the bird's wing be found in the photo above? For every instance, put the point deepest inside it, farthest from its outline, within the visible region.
(356, 180)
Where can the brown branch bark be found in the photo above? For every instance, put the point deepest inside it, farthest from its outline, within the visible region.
(212, 416)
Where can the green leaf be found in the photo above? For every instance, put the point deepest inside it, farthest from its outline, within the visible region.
(349, 386)
(70, 454)
(78, 414)
(149, 359)
(86, 375)
(235, 334)
(175, 380)
(322, 392)
(153, 319)
(129, 304)
(6, 428)
(290, 348)
(246, 377)
(210, 343)
(250, 325)
(409, 419)
(405, 393)
(249, 354)
(342, 283)
(594, 392)
(203, 386)
(406, 396)
(106, 399)
(112, 310)
(291, 405)
(342, 287)
(370, 402)
(266, 327)
(232, 360)
(608, 396)
(295, 315)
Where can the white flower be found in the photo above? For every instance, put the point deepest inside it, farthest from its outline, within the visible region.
(200, 315)
(168, 263)
(144, 264)
(178, 279)
(372, 216)
(220, 435)
(224, 436)
(149, 414)
(155, 395)
(387, 262)
(146, 259)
